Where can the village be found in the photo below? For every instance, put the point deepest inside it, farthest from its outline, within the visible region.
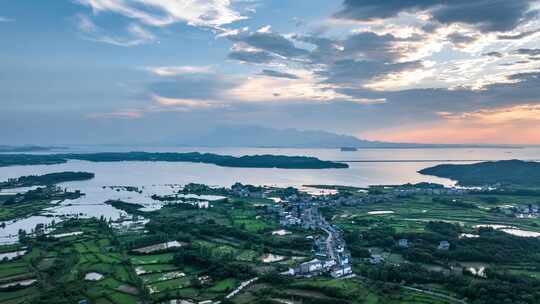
(298, 209)
(330, 197)
(330, 251)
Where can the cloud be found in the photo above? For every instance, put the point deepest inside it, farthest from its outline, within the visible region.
(264, 40)
(278, 74)
(486, 15)
(494, 54)
(4, 19)
(265, 89)
(528, 52)
(126, 114)
(136, 34)
(369, 10)
(518, 36)
(179, 104)
(371, 46)
(251, 56)
(171, 71)
(461, 40)
(515, 114)
(522, 88)
(161, 13)
(359, 59)
(358, 72)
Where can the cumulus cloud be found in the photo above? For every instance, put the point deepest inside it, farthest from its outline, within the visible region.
(528, 52)
(278, 74)
(160, 13)
(518, 36)
(267, 41)
(438, 74)
(494, 54)
(486, 15)
(461, 40)
(354, 60)
(251, 56)
(355, 72)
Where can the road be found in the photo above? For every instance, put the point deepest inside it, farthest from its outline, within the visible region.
(436, 294)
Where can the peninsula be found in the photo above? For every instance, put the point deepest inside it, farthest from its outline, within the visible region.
(46, 179)
(509, 172)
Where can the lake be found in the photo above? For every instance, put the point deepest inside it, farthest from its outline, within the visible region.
(367, 167)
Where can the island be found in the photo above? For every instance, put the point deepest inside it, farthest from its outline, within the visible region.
(506, 172)
(250, 161)
(46, 179)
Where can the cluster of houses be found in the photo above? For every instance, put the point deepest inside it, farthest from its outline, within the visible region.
(443, 245)
(242, 190)
(377, 258)
(330, 252)
(530, 211)
(527, 211)
(389, 194)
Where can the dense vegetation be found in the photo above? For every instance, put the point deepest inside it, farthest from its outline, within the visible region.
(253, 161)
(216, 249)
(30, 159)
(46, 179)
(127, 207)
(508, 172)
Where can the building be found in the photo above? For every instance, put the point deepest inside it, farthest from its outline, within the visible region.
(320, 248)
(329, 264)
(341, 271)
(443, 245)
(376, 259)
(289, 220)
(310, 268)
(403, 243)
(329, 251)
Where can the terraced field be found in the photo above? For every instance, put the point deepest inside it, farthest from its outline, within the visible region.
(65, 262)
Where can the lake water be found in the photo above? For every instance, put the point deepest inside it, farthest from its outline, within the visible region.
(367, 167)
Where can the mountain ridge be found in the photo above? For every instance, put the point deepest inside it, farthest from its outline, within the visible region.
(263, 137)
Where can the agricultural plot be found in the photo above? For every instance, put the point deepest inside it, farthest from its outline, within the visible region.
(322, 290)
(163, 280)
(411, 214)
(69, 269)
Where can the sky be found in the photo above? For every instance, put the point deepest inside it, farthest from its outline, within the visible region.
(148, 71)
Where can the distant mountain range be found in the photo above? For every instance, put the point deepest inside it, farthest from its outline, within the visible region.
(254, 136)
